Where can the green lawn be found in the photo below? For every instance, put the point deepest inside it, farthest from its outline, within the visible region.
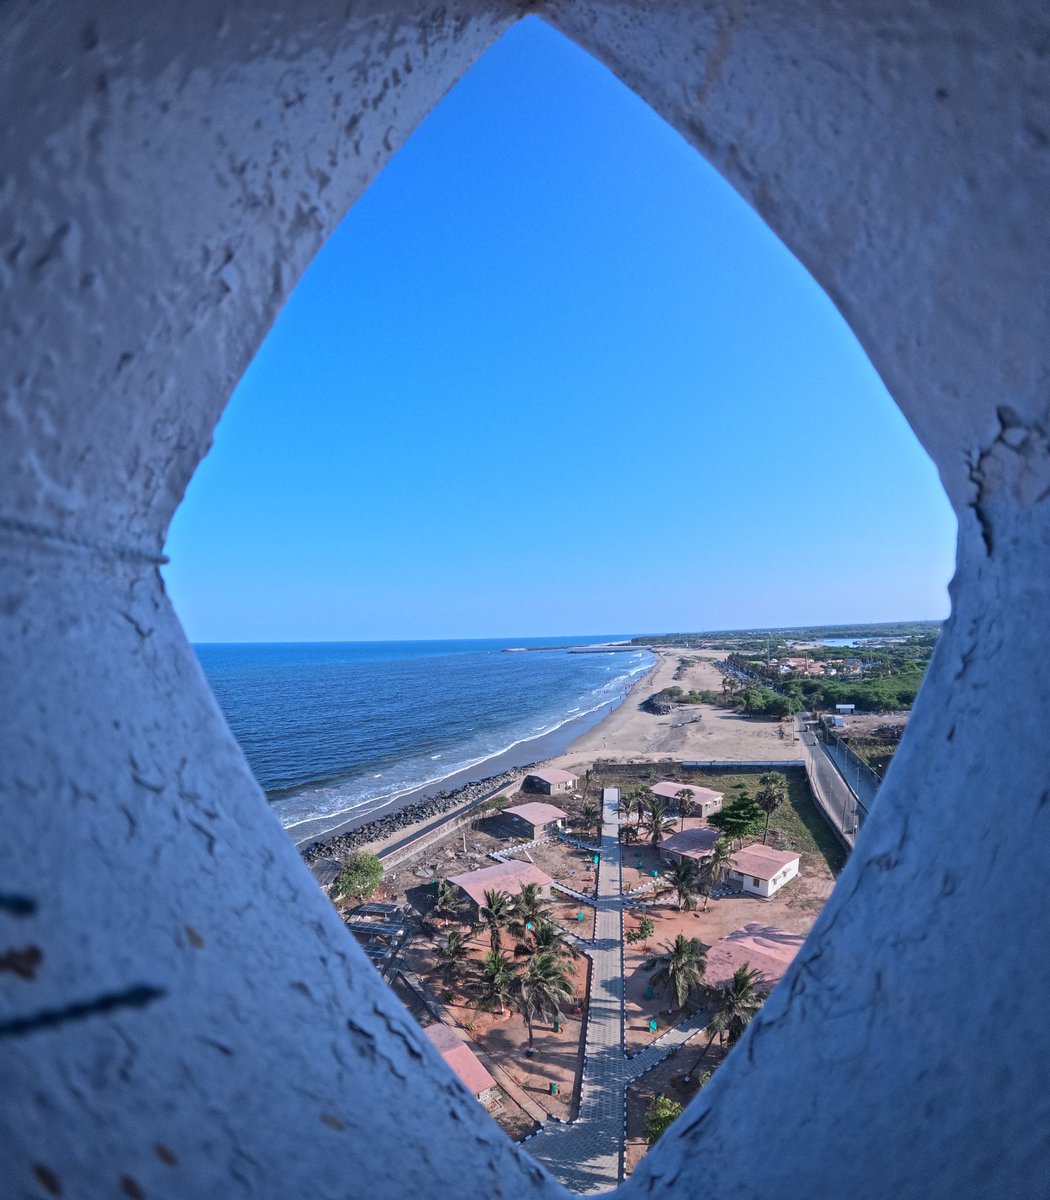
(797, 823)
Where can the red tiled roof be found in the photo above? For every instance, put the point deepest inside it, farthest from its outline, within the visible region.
(668, 789)
(553, 775)
(501, 877)
(761, 862)
(762, 947)
(460, 1058)
(693, 843)
(537, 813)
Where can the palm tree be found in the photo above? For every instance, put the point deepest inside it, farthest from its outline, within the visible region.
(590, 817)
(641, 797)
(541, 989)
(735, 1007)
(628, 804)
(656, 823)
(772, 793)
(684, 876)
(547, 938)
(718, 861)
(494, 981)
(685, 803)
(449, 899)
(496, 912)
(452, 954)
(681, 968)
(530, 908)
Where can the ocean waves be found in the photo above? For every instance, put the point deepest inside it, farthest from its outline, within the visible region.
(335, 733)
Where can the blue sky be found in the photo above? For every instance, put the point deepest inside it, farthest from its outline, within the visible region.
(552, 375)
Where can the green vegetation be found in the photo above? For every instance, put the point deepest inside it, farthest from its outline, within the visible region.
(740, 818)
(796, 824)
(361, 875)
(680, 969)
(541, 989)
(646, 929)
(758, 639)
(772, 793)
(659, 1116)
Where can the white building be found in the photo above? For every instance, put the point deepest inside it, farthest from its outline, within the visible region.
(761, 870)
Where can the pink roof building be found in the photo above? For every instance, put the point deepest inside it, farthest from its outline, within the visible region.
(705, 800)
(501, 877)
(549, 781)
(461, 1060)
(696, 844)
(761, 947)
(761, 870)
(536, 816)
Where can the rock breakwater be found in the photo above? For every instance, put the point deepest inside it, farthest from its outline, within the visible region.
(344, 844)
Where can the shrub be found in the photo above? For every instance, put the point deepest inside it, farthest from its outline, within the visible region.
(361, 875)
(659, 1116)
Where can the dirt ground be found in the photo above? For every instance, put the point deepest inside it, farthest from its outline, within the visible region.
(515, 1122)
(794, 908)
(666, 1078)
(558, 1056)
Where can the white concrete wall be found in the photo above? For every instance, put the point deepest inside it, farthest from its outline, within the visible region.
(200, 1024)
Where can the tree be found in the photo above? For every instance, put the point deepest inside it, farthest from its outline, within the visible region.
(684, 877)
(737, 819)
(452, 955)
(772, 793)
(735, 1007)
(530, 908)
(656, 823)
(449, 900)
(661, 1113)
(685, 803)
(590, 817)
(541, 989)
(361, 875)
(646, 929)
(642, 797)
(496, 912)
(547, 938)
(628, 806)
(718, 862)
(681, 968)
(494, 980)
(629, 834)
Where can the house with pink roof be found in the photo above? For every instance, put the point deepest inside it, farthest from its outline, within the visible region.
(463, 1063)
(535, 819)
(550, 781)
(761, 870)
(500, 877)
(705, 800)
(695, 844)
(763, 948)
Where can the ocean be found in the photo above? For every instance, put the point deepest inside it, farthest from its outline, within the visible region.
(336, 731)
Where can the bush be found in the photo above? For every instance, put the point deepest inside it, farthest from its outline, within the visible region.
(361, 875)
(659, 1116)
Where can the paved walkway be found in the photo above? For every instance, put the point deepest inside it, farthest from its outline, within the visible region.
(587, 1155)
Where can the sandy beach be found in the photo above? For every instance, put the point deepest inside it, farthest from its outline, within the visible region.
(631, 733)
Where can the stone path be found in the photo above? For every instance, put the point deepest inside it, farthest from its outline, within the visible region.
(587, 1155)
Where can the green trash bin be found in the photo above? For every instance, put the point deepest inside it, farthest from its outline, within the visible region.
(554, 1089)
(652, 1024)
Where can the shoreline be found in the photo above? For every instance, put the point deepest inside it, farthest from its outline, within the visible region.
(462, 786)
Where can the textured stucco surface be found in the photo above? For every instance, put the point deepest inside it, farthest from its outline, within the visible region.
(191, 1019)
